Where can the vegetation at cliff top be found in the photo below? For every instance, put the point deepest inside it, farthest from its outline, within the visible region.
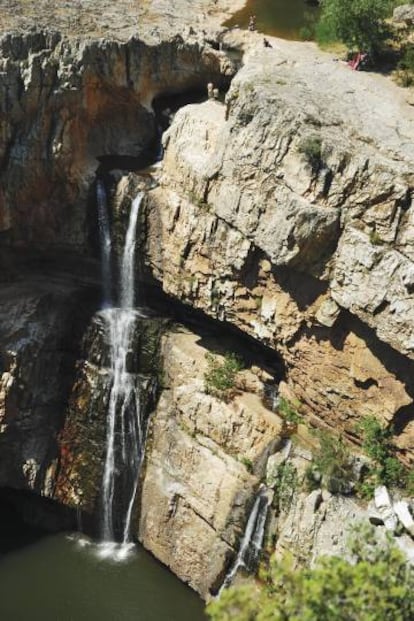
(364, 25)
(359, 24)
(377, 586)
(220, 377)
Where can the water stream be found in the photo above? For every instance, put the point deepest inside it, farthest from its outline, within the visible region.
(252, 542)
(105, 243)
(125, 426)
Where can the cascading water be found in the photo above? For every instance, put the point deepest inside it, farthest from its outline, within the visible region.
(125, 427)
(251, 545)
(105, 242)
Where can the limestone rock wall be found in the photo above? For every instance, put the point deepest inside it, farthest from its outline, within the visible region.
(288, 212)
(204, 462)
(41, 319)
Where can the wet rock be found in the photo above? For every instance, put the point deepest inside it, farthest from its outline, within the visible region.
(42, 317)
(82, 441)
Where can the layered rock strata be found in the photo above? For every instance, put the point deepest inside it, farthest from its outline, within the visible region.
(287, 211)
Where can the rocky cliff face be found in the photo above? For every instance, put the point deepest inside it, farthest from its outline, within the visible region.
(204, 462)
(42, 318)
(68, 102)
(287, 212)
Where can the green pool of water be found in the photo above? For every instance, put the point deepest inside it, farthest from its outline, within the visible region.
(61, 578)
(280, 18)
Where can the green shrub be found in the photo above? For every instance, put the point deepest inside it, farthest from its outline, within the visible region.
(376, 439)
(334, 463)
(306, 33)
(313, 478)
(359, 24)
(247, 463)
(285, 485)
(409, 482)
(288, 412)
(378, 445)
(311, 148)
(220, 377)
(406, 67)
(375, 238)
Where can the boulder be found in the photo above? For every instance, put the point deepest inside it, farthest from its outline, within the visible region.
(385, 508)
(404, 14)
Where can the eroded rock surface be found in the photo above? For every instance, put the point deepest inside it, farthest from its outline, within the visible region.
(69, 101)
(204, 460)
(121, 20)
(287, 211)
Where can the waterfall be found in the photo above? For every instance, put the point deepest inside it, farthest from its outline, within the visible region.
(125, 428)
(251, 545)
(105, 242)
(128, 257)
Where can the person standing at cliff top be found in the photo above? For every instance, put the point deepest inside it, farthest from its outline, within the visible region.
(252, 23)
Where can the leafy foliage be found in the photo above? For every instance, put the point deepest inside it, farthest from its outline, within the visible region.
(220, 377)
(406, 67)
(287, 411)
(359, 24)
(333, 462)
(285, 484)
(379, 585)
(247, 463)
(377, 444)
(311, 148)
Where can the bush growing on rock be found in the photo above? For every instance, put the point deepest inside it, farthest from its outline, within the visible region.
(332, 465)
(377, 586)
(220, 377)
(285, 485)
(377, 444)
(311, 148)
(406, 67)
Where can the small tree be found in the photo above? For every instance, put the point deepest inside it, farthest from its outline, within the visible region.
(359, 24)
